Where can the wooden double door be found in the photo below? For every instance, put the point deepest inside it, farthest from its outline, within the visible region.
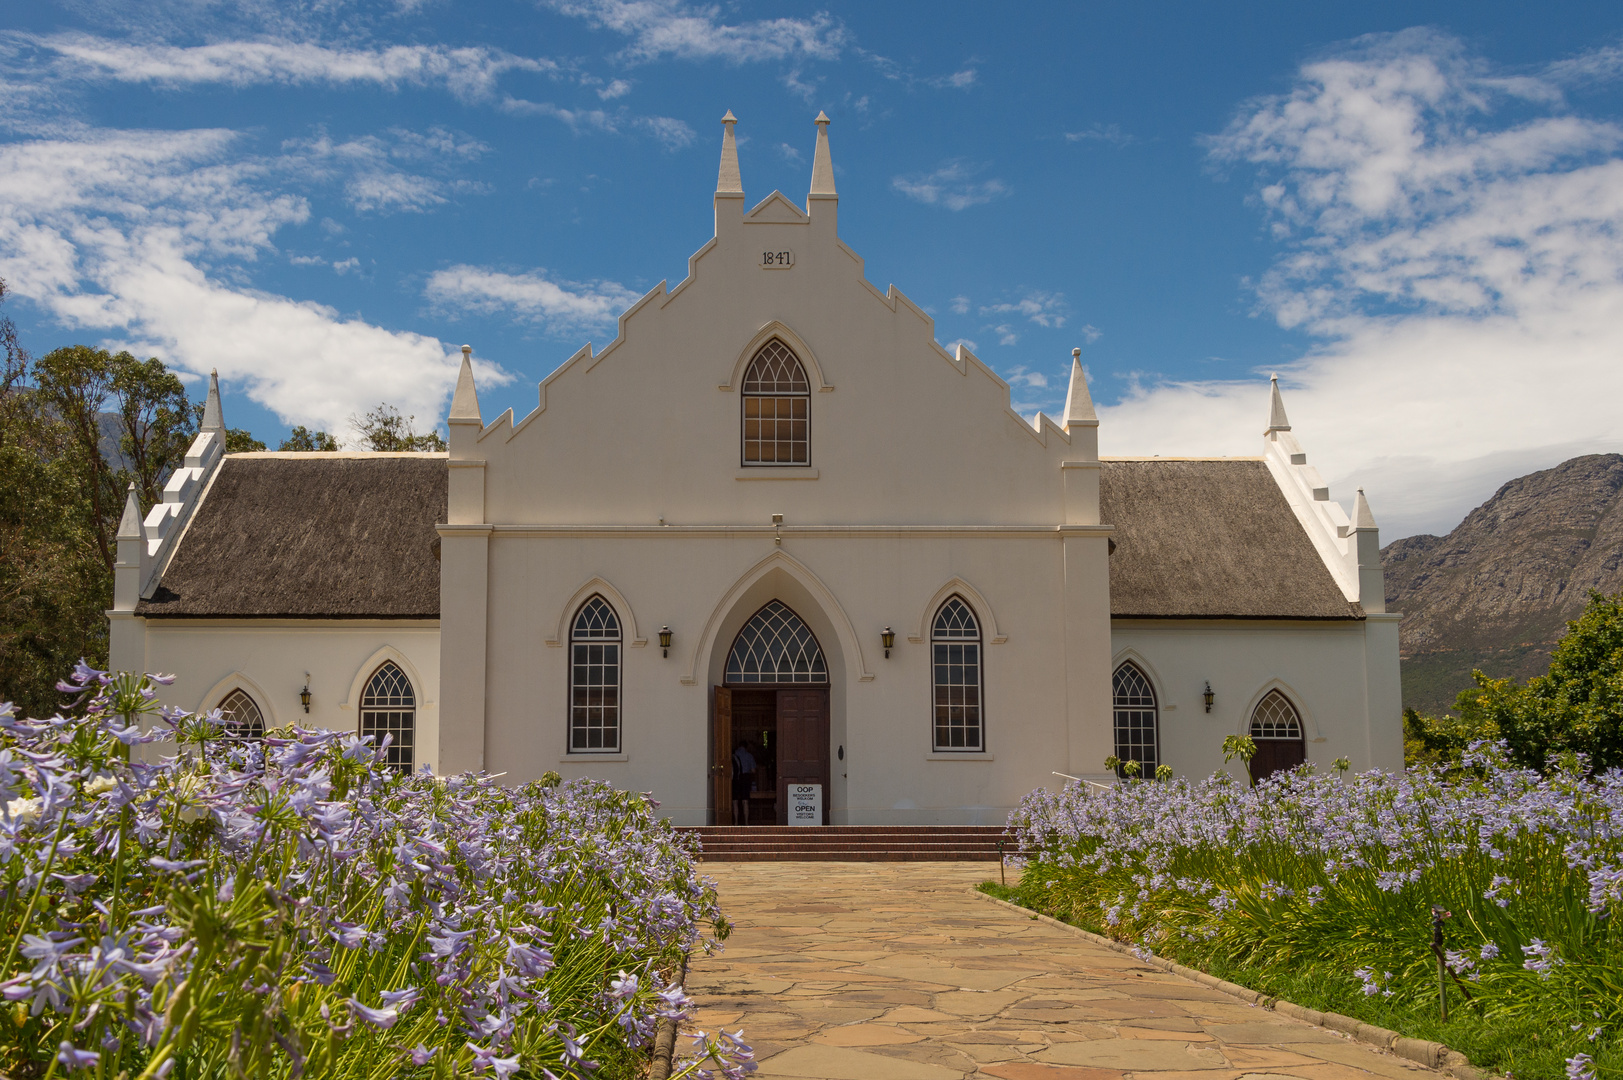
(798, 743)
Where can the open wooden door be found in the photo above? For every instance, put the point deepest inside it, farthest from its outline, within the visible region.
(721, 754)
(802, 745)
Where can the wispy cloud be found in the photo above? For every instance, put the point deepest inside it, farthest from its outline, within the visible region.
(673, 133)
(468, 73)
(561, 306)
(1047, 309)
(140, 235)
(375, 182)
(1105, 133)
(1021, 377)
(952, 186)
(1460, 260)
(659, 29)
(958, 80)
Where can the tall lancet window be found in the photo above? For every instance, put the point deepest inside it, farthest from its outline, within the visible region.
(1137, 737)
(594, 679)
(1277, 730)
(389, 707)
(777, 408)
(955, 645)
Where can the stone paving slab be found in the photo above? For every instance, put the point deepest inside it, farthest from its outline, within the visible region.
(892, 971)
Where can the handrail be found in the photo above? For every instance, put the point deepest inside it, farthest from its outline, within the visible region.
(1078, 779)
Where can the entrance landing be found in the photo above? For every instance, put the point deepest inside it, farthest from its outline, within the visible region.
(851, 843)
(893, 971)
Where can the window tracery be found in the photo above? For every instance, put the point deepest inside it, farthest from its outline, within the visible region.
(594, 679)
(776, 427)
(389, 707)
(1137, 720)
(955, 647)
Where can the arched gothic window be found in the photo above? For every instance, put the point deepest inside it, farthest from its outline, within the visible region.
(1137, 720)
(241, 716)
(777, 408)
(389, 707)
(1276, 728)
(955, 645)
(775, 646)
(594, 679)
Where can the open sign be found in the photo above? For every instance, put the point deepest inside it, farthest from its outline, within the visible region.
(805, 804)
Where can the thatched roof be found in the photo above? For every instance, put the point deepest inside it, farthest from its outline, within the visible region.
(340, 536)
(351, 536)
(1211, 539)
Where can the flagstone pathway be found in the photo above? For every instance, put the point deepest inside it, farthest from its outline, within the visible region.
(893, 971)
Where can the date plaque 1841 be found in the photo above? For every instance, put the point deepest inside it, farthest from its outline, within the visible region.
(777, 260)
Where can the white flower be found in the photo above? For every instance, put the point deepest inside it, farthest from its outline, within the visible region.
(99, 783)
(24, 811)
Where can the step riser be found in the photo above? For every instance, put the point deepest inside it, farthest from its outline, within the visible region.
(847, 856)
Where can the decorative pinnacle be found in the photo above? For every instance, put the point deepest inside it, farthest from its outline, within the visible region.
(729, 181)
(213, 416)
(1078, 402)
(822, 163)
(465, 402)
(1277, 421)
(1363, 517)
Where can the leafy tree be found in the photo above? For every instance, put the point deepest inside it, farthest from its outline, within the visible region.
(156, 421)
(302, 438)
(72, 385)
(54, 584)
(1441, 740)
(239, 441)
(1576, 707)
(384, 429)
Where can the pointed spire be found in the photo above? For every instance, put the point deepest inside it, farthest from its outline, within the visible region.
(1362, 517)
(729, 181)
(465, 403)
(213, 418)
(129, 526)
(1078, 402)
(1276, 409)
(822, 163)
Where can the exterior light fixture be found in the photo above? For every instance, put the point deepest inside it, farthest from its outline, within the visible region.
(1209, 696)
(777, 537)
(304, 695)
(665, 640)
(888, 636)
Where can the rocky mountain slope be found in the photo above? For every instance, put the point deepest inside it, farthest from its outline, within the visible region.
(1496, 593)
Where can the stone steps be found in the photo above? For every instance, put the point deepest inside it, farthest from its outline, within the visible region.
(851, 843)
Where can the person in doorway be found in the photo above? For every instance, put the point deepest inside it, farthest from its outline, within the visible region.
(743, 778)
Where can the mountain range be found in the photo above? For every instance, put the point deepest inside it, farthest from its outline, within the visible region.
(1497, 592)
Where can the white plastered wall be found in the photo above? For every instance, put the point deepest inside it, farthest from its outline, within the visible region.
(1335, 672)
(269, 659)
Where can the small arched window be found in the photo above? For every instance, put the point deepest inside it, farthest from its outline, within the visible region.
(1137, 720)
(594, 679)
(777, 408)
(241, 716)
(776, 647)
(955, 646)
(1276, 728)
(389, 707)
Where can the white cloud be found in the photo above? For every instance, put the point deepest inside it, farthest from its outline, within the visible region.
(1046, 309)
(1006, 334)
(660, 28)
(563, 307)
(1105, 133)
(347, 265)
(1021, 377)
(468, 73)
(129, 234)
(960, 304)
(615, 89)
(674, 133)
(958, 80)
(1460, 256)
(1091, 333)
(952, 186)
(790, 154)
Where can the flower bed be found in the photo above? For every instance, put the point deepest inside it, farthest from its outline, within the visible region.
(1320, 890)
(292, 907)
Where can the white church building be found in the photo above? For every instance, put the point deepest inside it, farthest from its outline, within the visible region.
(773, 510)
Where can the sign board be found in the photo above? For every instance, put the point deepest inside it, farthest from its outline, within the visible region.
(805, 804)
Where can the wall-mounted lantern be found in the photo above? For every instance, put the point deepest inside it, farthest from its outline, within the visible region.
(888, 636)
(777, 526)
(304, 695)
(1209, 696)
(665, 641)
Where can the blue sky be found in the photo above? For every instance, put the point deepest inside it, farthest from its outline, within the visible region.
(1413, 212)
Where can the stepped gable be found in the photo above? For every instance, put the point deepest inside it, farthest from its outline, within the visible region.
(311, 536)
(1498, 591)
(1211, 539)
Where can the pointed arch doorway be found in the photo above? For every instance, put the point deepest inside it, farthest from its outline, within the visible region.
(773, 705)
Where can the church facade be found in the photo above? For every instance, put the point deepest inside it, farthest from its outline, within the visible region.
(774, 512)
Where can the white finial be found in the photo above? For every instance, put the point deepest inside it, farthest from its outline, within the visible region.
(1277, 420)
(129, 526)
(822, 163)
(465, 402)
(1078, 402)
(729, 181)
(213, 416)
(1363, 518)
